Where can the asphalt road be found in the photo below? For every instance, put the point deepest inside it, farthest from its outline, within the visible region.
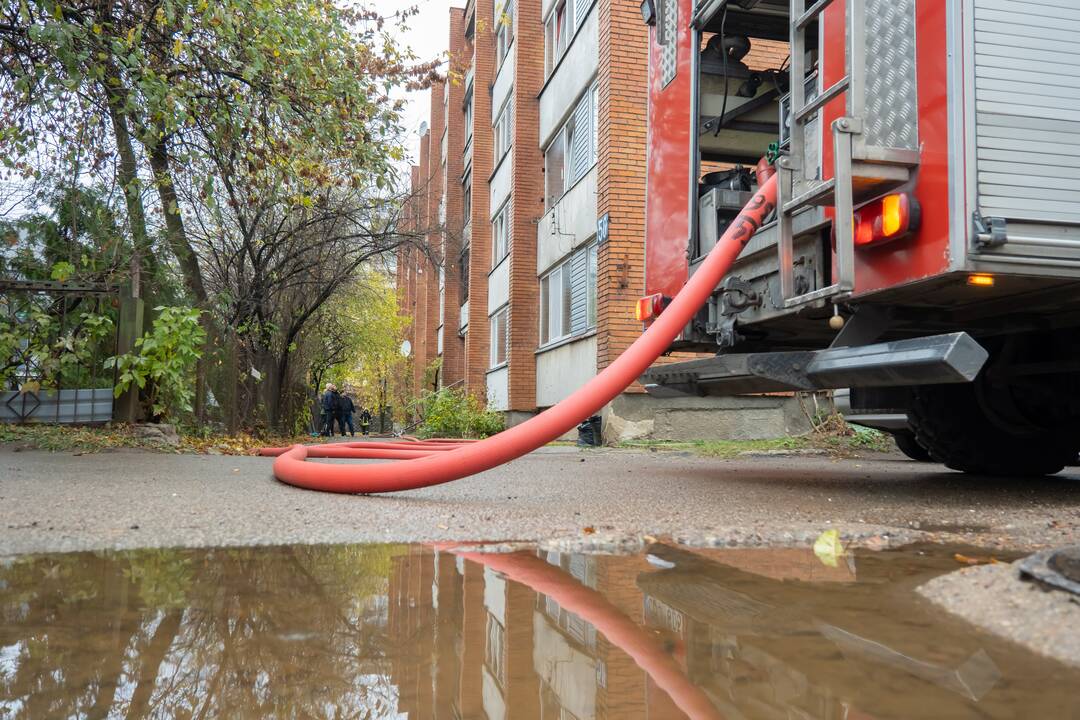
(560, 496)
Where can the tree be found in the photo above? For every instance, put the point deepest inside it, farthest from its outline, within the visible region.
(264, 128)
(368, 354)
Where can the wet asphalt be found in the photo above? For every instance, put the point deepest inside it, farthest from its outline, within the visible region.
(561, 497)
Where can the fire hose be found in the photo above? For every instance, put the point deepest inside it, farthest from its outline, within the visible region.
(425, 463)
(643, 647)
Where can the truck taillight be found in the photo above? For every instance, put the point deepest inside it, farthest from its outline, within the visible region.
(890, 218)
(650, 306)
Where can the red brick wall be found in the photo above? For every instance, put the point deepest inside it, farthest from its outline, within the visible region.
(420, 312)
(527, 204)
(434, 237)
(623, 77)
(477, 338)
(453, 345)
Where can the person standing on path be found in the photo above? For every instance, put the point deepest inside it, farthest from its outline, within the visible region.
(365, 420)
(347, 409)
(336, 402)
(326, 403)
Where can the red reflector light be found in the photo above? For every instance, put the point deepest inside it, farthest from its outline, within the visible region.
(649, 307)
(890, 218)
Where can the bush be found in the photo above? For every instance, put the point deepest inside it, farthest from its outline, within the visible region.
(451, 412)
(164, 363)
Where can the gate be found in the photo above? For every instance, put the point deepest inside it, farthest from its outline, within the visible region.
(54, 339)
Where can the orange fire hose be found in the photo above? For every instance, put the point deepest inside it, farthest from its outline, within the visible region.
(621, 631)
(425, 464)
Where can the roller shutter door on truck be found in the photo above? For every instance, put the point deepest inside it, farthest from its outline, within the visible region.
(1027, 122)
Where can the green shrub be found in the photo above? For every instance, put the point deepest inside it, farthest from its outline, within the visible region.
(452, 412)
(165, 357)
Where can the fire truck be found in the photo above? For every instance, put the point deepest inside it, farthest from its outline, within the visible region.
(925, 247)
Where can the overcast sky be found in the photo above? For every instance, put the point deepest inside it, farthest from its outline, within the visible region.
(428, 36)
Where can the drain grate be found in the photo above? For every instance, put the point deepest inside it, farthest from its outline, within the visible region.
(1058, 568)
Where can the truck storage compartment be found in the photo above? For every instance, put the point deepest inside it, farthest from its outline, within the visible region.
(1023, 90)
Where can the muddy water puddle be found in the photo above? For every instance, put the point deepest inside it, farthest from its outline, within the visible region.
(397, 631)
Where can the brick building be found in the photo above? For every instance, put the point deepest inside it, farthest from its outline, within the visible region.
(531, 178)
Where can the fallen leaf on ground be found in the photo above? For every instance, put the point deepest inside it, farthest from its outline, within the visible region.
(828, 548)
(967, 560)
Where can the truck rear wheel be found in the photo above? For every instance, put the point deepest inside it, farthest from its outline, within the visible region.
(953, 423)
(905, 440)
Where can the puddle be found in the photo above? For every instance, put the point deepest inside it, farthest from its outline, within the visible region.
(411, 632)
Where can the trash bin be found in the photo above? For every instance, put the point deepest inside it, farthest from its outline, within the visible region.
(588, 432)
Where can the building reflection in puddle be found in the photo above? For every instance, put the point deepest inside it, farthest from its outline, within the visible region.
(427, 634)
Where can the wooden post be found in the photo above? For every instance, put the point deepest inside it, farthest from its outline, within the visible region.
(126, 408)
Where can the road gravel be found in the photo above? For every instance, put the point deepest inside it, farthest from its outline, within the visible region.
(558, 496)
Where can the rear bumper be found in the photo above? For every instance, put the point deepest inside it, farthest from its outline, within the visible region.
(951, 358)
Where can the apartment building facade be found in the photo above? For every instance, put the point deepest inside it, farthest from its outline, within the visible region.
(534, 144)
(531, 181)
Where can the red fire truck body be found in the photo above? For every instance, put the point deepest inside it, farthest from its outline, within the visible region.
(945, 137)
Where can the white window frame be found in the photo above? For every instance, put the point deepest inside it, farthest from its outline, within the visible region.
(565, 136)
(499, 344)
(467, 112)
(466, 199)
(504, 32)
(556, 298)
(591, 291)
(504, 128)
(555, 301)
(557, 35)
(500, 235)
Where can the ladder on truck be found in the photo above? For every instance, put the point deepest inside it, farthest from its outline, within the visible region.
(860, 171)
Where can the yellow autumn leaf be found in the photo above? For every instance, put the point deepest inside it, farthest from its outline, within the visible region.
(177, 47)
(97, 29)
(828, 548)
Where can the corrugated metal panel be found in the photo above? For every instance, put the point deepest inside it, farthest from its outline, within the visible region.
(579, 153)
(581, 11)
(1027, 103)
(579, 292)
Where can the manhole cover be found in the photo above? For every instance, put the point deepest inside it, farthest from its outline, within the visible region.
(1058, 568)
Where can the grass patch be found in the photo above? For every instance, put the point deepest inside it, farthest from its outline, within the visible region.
(66, 438)
(87, 439)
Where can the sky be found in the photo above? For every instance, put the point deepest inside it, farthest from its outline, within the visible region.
(428, 36)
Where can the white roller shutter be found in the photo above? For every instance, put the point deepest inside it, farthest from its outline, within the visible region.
(1027, 109)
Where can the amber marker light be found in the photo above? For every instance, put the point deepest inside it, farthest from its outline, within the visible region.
(981, 280)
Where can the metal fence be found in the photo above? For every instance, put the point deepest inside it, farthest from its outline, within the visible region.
(54, 339)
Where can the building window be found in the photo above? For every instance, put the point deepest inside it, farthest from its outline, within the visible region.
(500, 235)
(467, 109)
(563, 21)
(557, 32)
(568, 297)
(573, 149)
(466, 200)
(499, 337)
(554, 160)
(590, 287)
(504, 130)
(442, 295)
(504, 32)
(463, 276)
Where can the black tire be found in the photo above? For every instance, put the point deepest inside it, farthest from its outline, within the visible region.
(905, 440)
(951, 424)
